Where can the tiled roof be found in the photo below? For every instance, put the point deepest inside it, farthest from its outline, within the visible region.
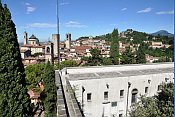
(82, 47)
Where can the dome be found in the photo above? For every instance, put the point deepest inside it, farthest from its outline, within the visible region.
(33, 37)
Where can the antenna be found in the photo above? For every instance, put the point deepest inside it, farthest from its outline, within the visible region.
(58, 35)
(57, 17)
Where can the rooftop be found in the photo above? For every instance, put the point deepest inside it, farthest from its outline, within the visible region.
(99, 72)
(33, 37)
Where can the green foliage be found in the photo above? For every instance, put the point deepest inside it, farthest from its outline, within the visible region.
(106, 61)
(114, 49)
(95, 59)
(161, 105)
(166, 100)
(140, 55)
(49, 95)
(146, 107)
(14, 100)
(34, 74)
(128, 57)
(84, 58)
(95, 53)
(68, 63)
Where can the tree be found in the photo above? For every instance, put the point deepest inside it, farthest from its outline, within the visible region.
(14, 100)
(140, 55)
(114, 49)
(106, 61)
(95, 59)
(128, 56)
(166, 100)
(68, 63)
(34, 74)
(49, 95)
(146, 107)
(161, 105)
(95, 52)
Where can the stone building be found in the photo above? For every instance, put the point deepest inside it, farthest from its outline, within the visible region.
(109, 91)
(33, 51)
(68, 41)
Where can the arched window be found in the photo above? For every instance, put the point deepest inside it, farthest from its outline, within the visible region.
(48, 50)
(134, 95)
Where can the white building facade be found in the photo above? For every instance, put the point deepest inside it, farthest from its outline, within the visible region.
(108, 91)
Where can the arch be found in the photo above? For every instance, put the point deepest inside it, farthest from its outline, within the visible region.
(48, 50)
(134, 95)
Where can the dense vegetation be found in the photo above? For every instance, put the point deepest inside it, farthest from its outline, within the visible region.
(161, 105)
(49, 94)
(34, 74)
(45, 74)
(114, 49)
(14, 100)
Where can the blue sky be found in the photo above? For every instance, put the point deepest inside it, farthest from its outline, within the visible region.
(90, 17)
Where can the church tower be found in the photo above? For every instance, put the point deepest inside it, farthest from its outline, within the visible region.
(68, 41)
(25, 38)
(55, 41)
(49, 52)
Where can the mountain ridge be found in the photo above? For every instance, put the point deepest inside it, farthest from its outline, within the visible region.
(162, 33)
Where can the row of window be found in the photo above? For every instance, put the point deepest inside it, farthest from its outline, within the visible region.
(134, 93)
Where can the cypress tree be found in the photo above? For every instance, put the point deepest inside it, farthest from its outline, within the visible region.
(140, 55)
(49, 94)
(14, 101)
(114, 49)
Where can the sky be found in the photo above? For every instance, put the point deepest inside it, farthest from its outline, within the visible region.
(90, 17)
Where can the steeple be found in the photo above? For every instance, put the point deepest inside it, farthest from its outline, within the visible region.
(25, 38)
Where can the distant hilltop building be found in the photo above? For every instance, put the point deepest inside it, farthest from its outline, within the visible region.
(68, 41)
(34, 52)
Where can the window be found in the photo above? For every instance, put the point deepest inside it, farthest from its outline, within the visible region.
(134, 96)
(120, 115)
(159, 87)
(48, 50)
(146, 89)
(106, 95)
(89, 97)
(114, 104)
(121, 93)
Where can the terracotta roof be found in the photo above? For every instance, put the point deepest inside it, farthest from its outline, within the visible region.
(26, 45)
(82, 47)
(22, 51)
(35, 97)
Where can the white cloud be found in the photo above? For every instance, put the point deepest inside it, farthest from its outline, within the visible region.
(146, 10)
(74, 24)
(63, 3)
(27, 4)
(40, 25)
(123, 9)
(165, 12)
(29, 8)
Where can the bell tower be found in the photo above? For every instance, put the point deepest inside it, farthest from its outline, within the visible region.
(49, 52)
(25, 38)
(68, 41)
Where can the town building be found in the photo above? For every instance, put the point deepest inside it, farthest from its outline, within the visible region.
(33, 51)
(109, 91)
